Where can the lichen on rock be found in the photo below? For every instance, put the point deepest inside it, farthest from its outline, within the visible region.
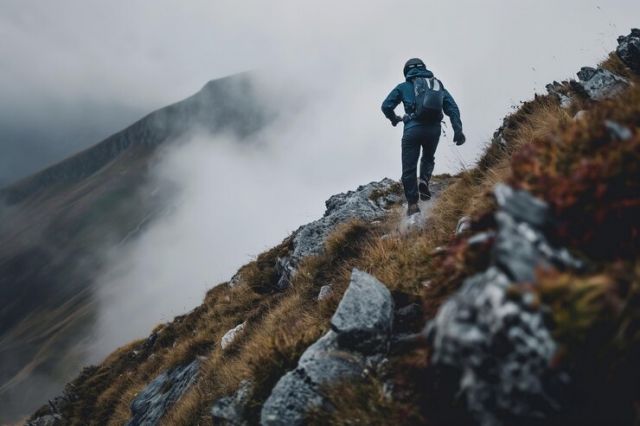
(498, 340)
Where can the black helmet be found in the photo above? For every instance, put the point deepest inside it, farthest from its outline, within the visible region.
(413, 63)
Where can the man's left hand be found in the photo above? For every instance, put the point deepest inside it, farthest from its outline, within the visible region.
(459, 138)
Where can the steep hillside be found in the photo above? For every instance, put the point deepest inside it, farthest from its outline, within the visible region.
(56, 224)
(513, 300)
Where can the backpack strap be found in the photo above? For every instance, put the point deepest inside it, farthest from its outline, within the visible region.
(434, 84)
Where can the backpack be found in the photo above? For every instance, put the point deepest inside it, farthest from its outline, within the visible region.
(429, 96)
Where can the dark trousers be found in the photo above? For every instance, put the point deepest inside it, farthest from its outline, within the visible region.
(416, 137)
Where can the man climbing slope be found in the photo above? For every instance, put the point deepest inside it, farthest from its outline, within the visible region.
(424, 99)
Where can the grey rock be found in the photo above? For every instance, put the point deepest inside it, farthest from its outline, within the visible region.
(515, 249)
(497, 340)
(159, 395)
(617, 130)
(587, 73)
(235, 280)
(231, 335)
(580, 115)
(464, 224)
(47, 420)
(599, 84)
(501, 348)
(364, 317)
(325, 292)
(498, 135)
(290, 400)
(285, 270)
(481, 238)
(559, 91)
(232, 410)
(365, 310)
(522, 206)
(308, 240)
(325, 361)
(629, 50)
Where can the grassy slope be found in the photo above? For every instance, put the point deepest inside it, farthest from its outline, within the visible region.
(591, 184)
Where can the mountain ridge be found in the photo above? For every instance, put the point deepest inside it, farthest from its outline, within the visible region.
(58, 223)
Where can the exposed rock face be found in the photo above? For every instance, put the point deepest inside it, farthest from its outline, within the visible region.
(629, 50)
(361, 329)
(155, 399)
(231, 335)
(231, 410)
(599, 84)
(495, 339)
(309, 239)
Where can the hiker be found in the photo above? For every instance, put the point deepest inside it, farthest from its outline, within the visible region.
(421, 126)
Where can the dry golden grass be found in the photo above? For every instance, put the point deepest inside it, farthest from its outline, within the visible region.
(616, 66)
(280, 326)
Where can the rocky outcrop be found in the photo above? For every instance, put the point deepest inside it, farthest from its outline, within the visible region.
(367, 203)
(231, 410)
(360, 333)
(497, 340)
(158, 396)
(599, 84)
(629, 50)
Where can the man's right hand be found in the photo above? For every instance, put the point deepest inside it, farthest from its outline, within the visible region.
(459, 138)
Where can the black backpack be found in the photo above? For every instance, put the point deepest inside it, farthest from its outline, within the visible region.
(429, 95)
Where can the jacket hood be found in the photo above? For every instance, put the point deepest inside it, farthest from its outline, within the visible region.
(417, 72)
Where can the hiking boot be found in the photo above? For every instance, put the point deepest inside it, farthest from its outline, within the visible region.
(413, 209)
(423, 187)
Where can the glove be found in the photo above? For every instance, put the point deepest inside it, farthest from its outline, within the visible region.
(459, 138)
(395, 121)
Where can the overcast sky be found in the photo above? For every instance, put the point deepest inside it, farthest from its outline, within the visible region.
(74, 71)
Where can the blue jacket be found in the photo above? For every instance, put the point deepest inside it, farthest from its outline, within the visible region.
(403, 92)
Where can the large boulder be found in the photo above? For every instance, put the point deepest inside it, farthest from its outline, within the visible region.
(496, 339)
(361, 329)
(599, 84)
(364, 317)
(629, 50)
(158, 396)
